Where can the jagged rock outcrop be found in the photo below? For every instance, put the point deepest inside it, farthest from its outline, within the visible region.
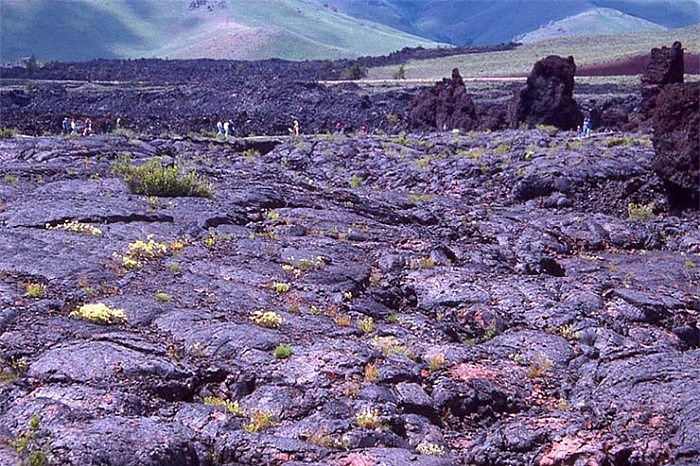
(677, 143)
(548, 96)
(666, 67)
(445, 106)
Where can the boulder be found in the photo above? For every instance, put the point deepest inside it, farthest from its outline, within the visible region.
(665, 67)
(444, 106)
(676, 143)
(547, 96)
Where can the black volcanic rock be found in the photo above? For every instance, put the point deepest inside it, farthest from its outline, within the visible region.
(677, 142)
(666, 66)
(445, 106)
(547, 97)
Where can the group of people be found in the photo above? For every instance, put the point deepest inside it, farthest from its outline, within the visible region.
(224, 129)
(586, 130)
(70, 127)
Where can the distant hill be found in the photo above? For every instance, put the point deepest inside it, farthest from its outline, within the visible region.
(479, 22)
(598, 21)
(79, 30)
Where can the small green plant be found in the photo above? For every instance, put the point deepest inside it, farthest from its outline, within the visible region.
(163, 297)
(366, 325)
(280, 287)
(269, 319)
(35, 290)
(368, 418)
(7, 133)
(175, 267)
(504, 148)
(210, 239)
(154, 179)
(272, 215)
(390, 346)
(393, 118)
(355, 181)
(231, 406)
(429, 448)
(392, 318)
(489, 333)
(689, 264)
(11, 179)
(140, 251)
(321, 438)
(640, 212)
(75, 226)
(99, 313)
(283, 351)
(343, 320)
(30, 446)
(568, 332)
(260, 420)
(551, 129)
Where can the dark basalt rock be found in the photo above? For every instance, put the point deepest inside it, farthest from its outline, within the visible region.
(476, 298)
(445, 106)
(547, 97)
(665, 67)
(677, 143)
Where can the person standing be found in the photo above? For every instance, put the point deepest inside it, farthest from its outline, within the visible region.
(65, 125)
(226, 128)
(73, 127)
(219, 128)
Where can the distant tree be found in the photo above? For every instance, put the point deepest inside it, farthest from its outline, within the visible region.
(400, 73)
(31, 65)
(353, 72)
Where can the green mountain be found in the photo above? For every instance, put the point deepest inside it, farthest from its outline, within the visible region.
(595, 22)
(481, 22)
(237, 29)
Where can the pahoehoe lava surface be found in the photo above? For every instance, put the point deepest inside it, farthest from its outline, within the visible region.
(518, 316)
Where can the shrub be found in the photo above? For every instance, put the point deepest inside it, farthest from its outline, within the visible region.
(99, 313)
(11, 179)
(393, 118)
(30, 446)
(259, 420)
(75, 226)
(269, 319)
(368, 418)
(371, 372)
(400, 73)
(640, 212)
(280, 287)
(429, 448)
(390, 346)
(366, 325)
(7, 133)
(283, 351)
(154, 179)
(353, 72)
(355, 181)
(230, 406)
(435, 362)
(35, 290)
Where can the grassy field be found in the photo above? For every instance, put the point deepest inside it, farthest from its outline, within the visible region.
(586, 51)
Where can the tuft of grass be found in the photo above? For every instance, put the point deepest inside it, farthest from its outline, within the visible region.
(7, 133)
(154, 179)
(568, 332)
(99, 313)
(392, 318)
(539, 367)
(35, 290)
(280, 287)
(390, 346)
(283, 351)
(10, 179)
(163, 297)
(436, 362)
(355, 181)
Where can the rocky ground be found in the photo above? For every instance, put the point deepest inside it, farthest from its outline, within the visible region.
(474, 299)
